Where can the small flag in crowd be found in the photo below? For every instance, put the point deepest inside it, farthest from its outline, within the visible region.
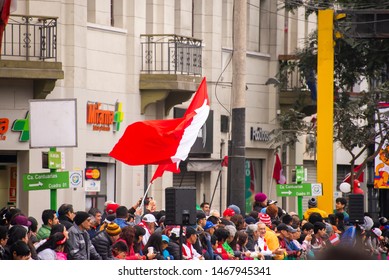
(334, 239)
(164, 142)
(277, 171)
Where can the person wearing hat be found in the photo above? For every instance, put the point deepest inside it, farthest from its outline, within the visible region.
(105, 239)
(260, 201)
(174, 243)
(80, 246)
(285, 239)
(205, 239)
(188, 251)
(165, 243)
(312, 208)
(148, 223)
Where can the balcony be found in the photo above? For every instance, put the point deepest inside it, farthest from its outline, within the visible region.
(171, 69)
(29, 51)
(293, 91)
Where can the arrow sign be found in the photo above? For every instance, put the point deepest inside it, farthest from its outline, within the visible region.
(39, 184)
(304, 189)
(46, 181)
(288, 193)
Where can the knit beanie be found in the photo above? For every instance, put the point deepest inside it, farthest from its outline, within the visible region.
(312, 202)
(80, 217)
(113, 229)
(235, 208)
(260, 197)
(265, 218)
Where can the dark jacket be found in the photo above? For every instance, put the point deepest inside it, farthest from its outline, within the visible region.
(79, 245)
(102, 243)
(65, 221)
(174, 249)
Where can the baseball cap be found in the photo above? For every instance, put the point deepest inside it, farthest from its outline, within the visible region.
(228, 212)
(286, 227)
(149, 218)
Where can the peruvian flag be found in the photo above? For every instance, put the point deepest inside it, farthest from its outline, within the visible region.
(6, 7)
(164, 142)
(277, 171)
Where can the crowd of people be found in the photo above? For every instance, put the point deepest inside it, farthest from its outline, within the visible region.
(266, 233)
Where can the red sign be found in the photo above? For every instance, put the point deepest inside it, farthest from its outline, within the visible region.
(4, 125)
(92, 174)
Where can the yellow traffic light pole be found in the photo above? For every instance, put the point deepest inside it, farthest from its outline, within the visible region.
(325, 108)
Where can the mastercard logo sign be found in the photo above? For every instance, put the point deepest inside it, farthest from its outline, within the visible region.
(92, 174)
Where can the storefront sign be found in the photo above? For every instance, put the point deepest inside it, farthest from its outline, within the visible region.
(4, 125)
(257, 134)
(12, 125)
(102, 116)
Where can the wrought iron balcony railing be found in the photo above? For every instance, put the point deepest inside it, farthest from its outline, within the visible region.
(30, 38)
(171, 54)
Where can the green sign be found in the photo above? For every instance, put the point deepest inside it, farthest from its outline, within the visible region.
(46, 181)
(54, 160)
(299, 174)
(304, 189)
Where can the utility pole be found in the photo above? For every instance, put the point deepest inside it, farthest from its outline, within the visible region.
(325, 108)
(236, 161)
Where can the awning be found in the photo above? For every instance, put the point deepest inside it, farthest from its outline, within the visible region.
(204, 164)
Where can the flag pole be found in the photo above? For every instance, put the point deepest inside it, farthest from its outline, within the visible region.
(144, 196)
(271, 178)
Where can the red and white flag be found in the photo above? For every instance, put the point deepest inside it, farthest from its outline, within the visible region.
(334, 239)
(347, 178)
(277, 171)
(6, 7)
(164, 142)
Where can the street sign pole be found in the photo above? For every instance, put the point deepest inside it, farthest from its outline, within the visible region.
(299, 179)
(53, 192)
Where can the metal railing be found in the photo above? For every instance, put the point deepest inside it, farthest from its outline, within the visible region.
(171, 54)
(290, 76)
(30, 38)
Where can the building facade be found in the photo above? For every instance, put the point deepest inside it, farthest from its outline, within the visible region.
(139, 60)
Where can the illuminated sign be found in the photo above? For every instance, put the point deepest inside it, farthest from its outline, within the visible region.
(102, 116)
(92, 174)
(4, 125)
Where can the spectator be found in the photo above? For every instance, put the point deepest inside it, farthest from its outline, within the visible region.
(312, 208)
(148, 223)
(96, 221)
(340, 207)
(105, 239)
(260, 202)
(20, 251)
(49, 218)
(174, 246)
(54, 244)
(120, 250)
(3, 241)
(79, 244)
(206, 208)
(121, 216)
(66, 215)
(153, 247)
(188, 252)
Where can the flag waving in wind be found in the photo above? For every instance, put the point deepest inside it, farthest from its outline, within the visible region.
(277, 171)
(164, 142)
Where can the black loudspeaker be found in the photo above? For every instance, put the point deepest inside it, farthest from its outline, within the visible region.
(180, 206)
(356, 208)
